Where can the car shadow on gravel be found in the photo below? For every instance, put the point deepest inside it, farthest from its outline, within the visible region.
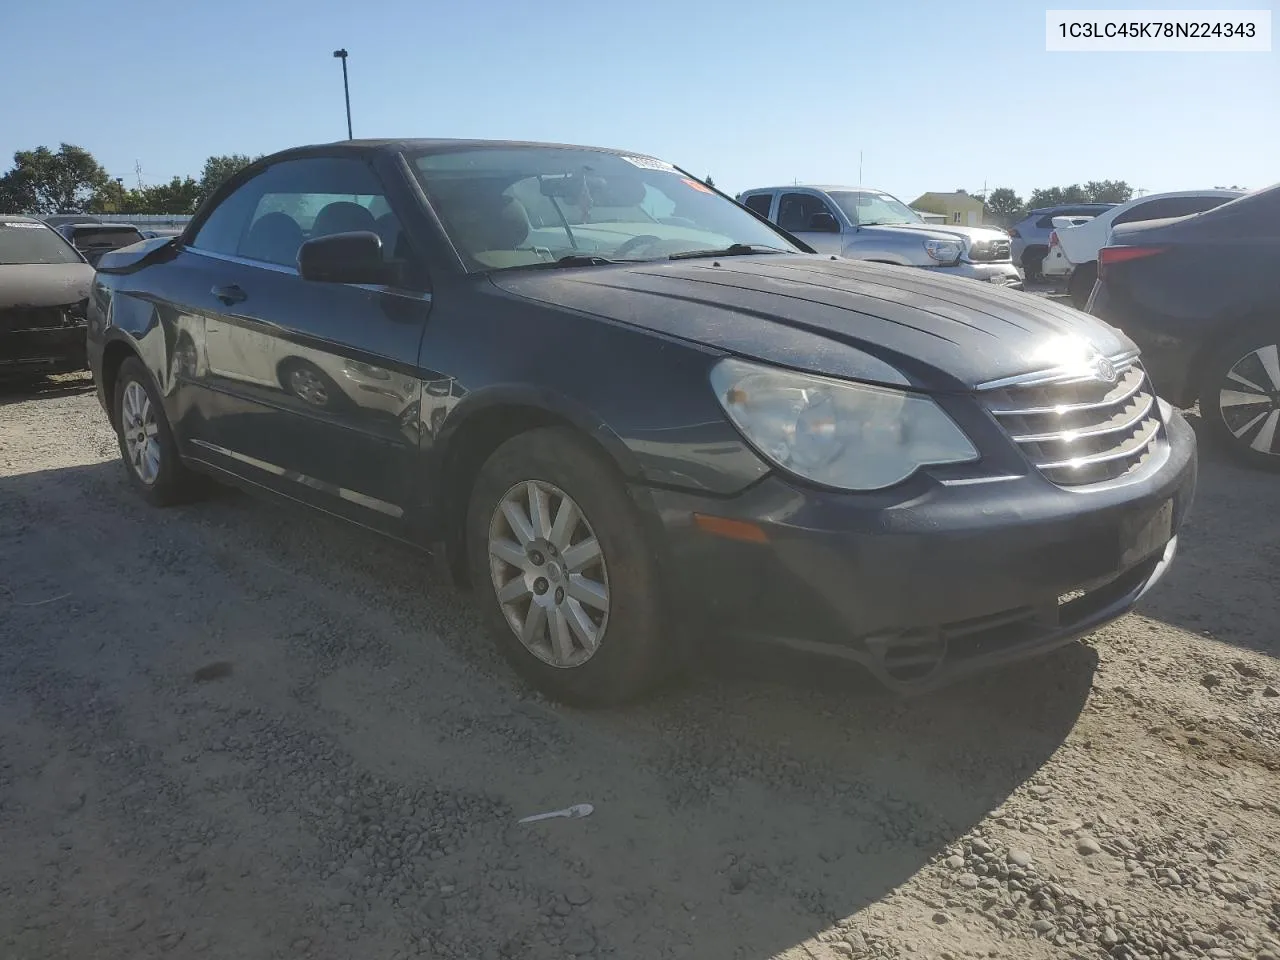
(1225, 582)
(65, 385)
(738, 813)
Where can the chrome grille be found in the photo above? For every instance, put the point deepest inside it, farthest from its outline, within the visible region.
(1080, 430)
(990, 251)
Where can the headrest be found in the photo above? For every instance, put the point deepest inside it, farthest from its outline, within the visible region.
(343, 216)
(274, 238)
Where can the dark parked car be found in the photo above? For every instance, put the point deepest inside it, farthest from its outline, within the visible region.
(1201, 294)
(630, 411)
(95, 239)
(44, 286)
(61, 219)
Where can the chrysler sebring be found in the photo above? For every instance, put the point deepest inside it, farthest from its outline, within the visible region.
(632, 413)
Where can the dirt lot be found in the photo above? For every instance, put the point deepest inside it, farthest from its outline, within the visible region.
(235, 730)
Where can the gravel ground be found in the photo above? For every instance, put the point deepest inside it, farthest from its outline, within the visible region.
(236, 730)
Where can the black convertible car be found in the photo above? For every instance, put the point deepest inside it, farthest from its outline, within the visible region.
(631, 411)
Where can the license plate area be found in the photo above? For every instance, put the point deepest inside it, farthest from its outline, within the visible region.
(1144, 534)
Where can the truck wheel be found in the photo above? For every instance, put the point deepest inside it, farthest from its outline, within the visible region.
(563, 572)
(1032, 262)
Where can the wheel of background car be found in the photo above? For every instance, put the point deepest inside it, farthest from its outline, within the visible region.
(1081, 284)
(1033, 262)
(635, 243)
(311, 385)
(562, 569)
(185, 358)
(1240, 396)
(146, 441)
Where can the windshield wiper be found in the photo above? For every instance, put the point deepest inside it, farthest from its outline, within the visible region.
(569, 260)
(733, 250)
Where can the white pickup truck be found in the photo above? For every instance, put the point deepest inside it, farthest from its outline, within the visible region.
(1077, 247)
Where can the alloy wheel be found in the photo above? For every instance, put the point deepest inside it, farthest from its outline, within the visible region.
(141, 432)
(309, 387)
(1249, 400)
(549, 573)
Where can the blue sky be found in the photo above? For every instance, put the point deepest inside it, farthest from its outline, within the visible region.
(935, 95)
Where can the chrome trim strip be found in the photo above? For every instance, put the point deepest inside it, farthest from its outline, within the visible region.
(351, 496)
(1143, 442)
(1094, 431)
(1121, 361)
(1107, 401)
(293, 272)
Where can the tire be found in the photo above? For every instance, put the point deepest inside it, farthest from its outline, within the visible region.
(1249, 430)
(164, 480)
(1032, 261)
(1081, 284)
(631, 653)
(306, 382)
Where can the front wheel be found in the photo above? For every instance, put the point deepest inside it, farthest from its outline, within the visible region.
(561, 565)
(146, 440)
(1240, 396)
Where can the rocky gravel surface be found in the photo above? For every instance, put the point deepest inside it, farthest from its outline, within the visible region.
(236, 730)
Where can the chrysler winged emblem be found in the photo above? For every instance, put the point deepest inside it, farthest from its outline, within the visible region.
(1104, 370)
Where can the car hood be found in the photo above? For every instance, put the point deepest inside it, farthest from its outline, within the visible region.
(827, 315)
(942, 231)
(43, 284)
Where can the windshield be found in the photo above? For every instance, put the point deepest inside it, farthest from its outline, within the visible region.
(27, 242)
(520, 206)
(868, 208)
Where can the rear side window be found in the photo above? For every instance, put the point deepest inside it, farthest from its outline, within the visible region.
(269, 217)
(1170, 207)
(759, 203)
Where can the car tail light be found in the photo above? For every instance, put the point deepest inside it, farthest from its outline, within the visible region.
(1053, 238)
(1110, 255)
(1013, 232)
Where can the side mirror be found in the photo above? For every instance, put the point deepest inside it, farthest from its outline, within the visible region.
(343, 258)
(824, 223)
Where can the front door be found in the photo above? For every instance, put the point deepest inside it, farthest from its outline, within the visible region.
(302, 386)
(800, 213)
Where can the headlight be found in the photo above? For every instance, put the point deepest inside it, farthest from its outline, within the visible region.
(944, 251)
(851, 436)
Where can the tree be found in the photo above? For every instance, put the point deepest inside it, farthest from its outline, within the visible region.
(179, 195)
(1108, 191)
(43, 181)
(1004, 205)
(1056, 196)
(112, 197)
(218, 169)
(709, 182)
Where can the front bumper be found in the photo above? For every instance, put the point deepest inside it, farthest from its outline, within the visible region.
(934, 583)
(1002, 273)
(42, 350)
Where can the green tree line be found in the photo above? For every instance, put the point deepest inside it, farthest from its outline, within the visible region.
(71, 180)
(1005, 206)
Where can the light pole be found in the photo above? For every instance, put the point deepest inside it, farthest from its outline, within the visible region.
(346, 92)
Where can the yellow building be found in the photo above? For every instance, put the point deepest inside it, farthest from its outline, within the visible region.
(957, 207)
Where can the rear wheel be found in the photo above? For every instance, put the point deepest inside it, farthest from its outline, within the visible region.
(1081, 284)
(563, 572)
(146, 440)
(1240, 396)
(1032, 262)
